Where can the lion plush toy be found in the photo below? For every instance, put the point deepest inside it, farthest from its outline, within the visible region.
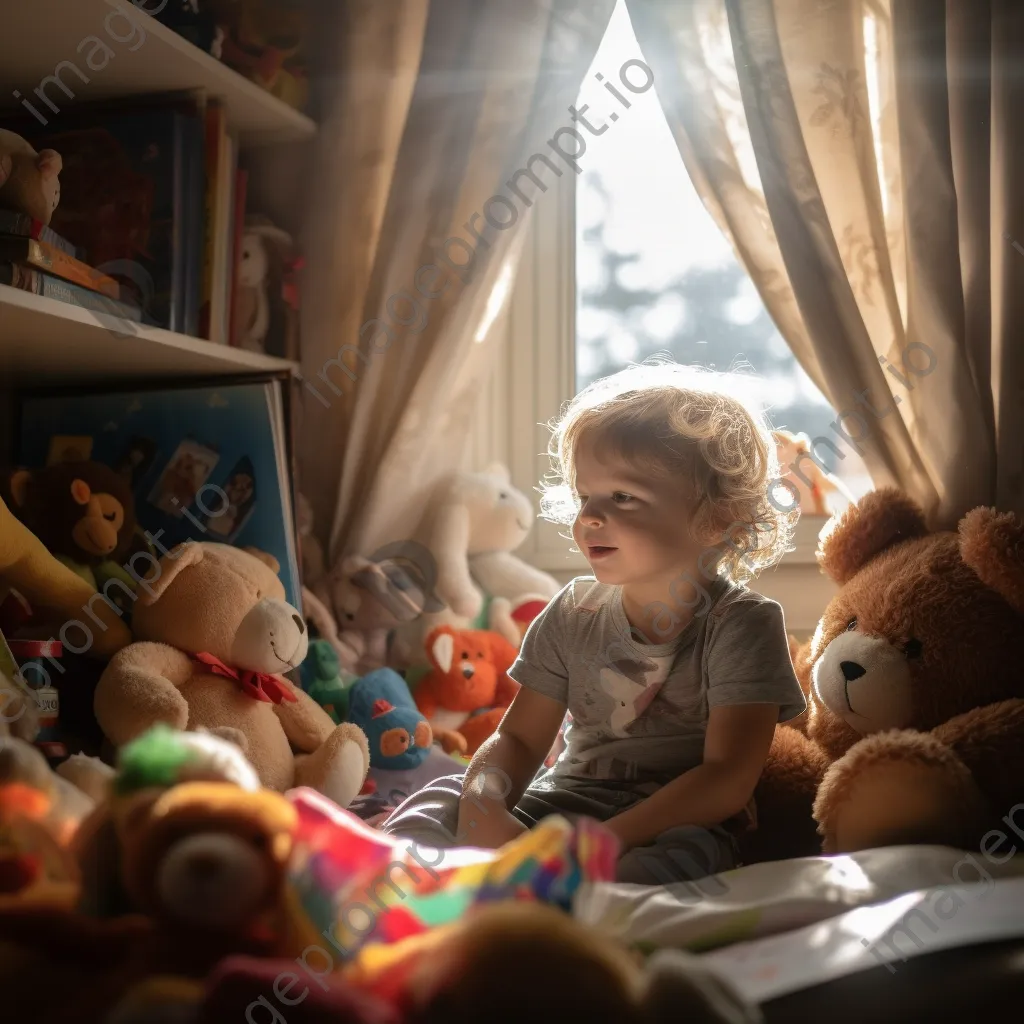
(216, 633)
(915, 729)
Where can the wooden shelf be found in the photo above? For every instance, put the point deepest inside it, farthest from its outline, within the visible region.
(47, 342)
(39, 35)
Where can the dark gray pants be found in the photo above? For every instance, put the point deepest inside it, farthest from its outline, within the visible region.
(430, 818)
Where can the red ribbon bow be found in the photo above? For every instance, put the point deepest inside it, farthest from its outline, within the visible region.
(262, 686)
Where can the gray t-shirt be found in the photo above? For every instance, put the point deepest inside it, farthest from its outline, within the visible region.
(640, 711)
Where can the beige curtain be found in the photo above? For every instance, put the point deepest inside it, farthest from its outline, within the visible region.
(864, 159)
(420, 213)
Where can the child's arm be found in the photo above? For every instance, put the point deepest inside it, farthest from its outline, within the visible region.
(504, 766)
(735, 748)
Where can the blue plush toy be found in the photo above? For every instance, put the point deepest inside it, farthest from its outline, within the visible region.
(382, 706)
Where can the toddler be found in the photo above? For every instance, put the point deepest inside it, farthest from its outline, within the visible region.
(674, 674)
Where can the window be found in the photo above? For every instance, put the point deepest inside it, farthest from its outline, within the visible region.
(623, 262)
(655, 274)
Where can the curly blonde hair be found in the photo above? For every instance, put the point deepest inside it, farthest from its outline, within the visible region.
(671, 418)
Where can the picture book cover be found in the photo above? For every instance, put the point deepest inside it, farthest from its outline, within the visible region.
(132, 190)
(205, 463)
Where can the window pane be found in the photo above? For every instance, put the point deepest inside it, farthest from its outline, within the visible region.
(655, 275)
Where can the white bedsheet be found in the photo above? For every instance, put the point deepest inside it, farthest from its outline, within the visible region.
(766, 899)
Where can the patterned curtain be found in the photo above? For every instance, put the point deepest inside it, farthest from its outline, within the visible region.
(865, 160)
(434, 151)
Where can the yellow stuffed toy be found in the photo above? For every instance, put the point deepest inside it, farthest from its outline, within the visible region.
(29, 568)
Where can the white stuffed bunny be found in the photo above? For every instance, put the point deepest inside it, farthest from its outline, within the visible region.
(472, 531)
(253, 309)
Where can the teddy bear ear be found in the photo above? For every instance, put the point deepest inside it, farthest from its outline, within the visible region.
(49, 163)
(20, 479)
(782, 437)
(168, 568)
(266, 558)
(992, 544)
(499, 470)
(880, 519)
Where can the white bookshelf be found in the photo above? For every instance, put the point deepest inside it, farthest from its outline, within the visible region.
(38, 35)
(45, 342)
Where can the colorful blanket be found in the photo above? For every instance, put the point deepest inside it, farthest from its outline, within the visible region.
(355, 889)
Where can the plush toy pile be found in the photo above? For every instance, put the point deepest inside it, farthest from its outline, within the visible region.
(189, 861)
(398, 658)
(225, 867)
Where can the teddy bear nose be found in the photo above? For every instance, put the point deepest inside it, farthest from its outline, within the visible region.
(468, 671)
(851, 670)
(297, 619)
(205, 866)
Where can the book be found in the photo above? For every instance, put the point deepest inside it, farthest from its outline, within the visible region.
(207, 462)
(238, 233)
(223, 211)
(132, 197)
(29, 279)
(13, 223)
(190, 252)
(215, 127)
(55, 261)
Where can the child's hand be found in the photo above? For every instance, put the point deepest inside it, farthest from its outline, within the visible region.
(488, 828)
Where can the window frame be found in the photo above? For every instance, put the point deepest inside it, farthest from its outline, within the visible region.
(534, 374)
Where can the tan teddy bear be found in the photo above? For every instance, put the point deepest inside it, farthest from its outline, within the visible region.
(915, 729)
(29, 181)
(216, 633)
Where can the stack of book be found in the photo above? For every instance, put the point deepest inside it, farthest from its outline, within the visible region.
(36, 259)
(151, 197)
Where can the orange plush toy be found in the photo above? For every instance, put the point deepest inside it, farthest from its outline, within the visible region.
(467, 691)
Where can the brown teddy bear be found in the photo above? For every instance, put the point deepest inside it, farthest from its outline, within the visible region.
(188, 837)
(29, 181)
(915, 726)
(576, 974)
(216, 633)
(183, 862)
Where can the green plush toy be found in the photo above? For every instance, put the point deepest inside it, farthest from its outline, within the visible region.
(325, 680)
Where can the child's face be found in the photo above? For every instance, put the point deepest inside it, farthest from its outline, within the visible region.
(632, 526)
